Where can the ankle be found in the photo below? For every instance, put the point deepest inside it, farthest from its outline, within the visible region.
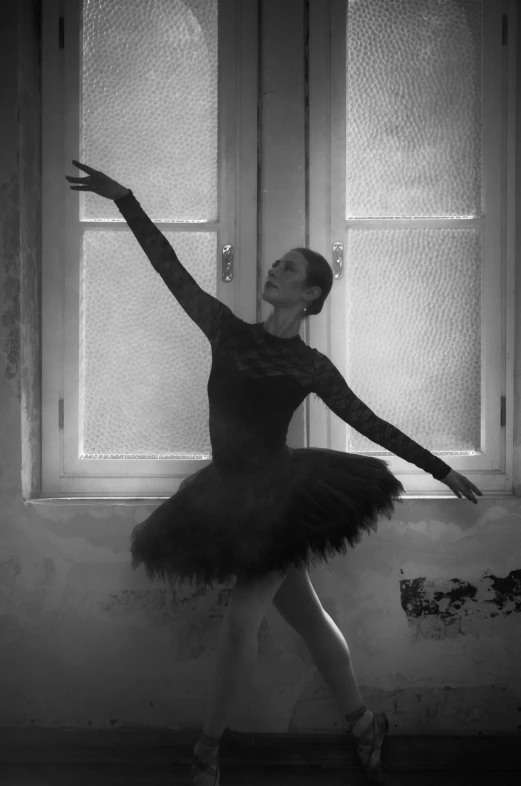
(359, 721)
(208, 741)
(205, 761)
(207, 748)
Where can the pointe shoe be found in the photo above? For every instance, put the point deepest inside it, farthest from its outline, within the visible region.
(369, 748)
(205, 774)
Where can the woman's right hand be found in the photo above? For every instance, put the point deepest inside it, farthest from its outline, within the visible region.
(97, 182)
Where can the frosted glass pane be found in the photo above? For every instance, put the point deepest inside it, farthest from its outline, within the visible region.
(148, 112)
(414, 333)
(413, 108)
(144, 364)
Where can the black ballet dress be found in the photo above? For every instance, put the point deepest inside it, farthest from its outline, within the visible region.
(261, 506)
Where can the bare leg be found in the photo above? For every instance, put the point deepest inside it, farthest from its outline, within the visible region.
(331, 655)
(236, 657)
(298, 603)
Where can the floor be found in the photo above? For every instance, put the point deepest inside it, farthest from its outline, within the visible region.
(119, 775)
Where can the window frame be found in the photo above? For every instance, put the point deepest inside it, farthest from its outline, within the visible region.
(63, 474)
(491, 471)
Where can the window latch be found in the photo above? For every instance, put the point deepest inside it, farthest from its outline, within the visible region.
(227, 263)
(338, 260)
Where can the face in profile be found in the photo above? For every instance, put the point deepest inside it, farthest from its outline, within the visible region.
(286, 280)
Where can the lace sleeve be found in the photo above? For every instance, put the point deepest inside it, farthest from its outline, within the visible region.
(204, 309)
(332, 388)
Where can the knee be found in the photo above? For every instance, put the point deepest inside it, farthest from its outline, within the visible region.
(247, 605)
(313, 627)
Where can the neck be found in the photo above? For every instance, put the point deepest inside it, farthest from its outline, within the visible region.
(283, 325)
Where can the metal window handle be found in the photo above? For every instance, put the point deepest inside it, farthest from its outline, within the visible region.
(227, 263)
(338, 260)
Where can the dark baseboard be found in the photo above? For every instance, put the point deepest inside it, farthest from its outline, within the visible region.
(335, 751)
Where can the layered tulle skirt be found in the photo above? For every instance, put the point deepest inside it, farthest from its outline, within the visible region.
(298, 509)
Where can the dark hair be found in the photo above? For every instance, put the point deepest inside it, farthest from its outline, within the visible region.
(319, 275)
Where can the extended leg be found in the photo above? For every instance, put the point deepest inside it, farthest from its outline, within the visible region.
(298, 603)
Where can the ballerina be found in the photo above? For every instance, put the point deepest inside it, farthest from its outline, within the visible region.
(262, 512)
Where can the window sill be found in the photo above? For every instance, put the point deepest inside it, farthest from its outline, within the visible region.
(108, 500)
(136, 501)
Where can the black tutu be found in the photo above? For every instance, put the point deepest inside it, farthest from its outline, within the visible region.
(296, 510)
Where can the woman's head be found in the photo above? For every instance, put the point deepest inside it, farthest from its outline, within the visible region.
(300, 276)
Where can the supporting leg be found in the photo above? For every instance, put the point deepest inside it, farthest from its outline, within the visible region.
(236, 658)
(234, 665)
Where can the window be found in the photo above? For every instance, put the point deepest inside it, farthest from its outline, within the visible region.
(155, 95)
(411, 142)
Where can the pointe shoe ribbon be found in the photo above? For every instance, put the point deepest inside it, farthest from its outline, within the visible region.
(369, 747)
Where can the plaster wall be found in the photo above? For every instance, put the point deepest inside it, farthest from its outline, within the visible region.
(431, 606)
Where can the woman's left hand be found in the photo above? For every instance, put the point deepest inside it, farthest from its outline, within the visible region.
(97, 182)
(461, 486)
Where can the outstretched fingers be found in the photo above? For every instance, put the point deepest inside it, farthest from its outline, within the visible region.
(84, 167)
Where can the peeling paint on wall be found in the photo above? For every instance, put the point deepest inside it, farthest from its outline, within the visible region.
(450, 600)
(151, 601)
(10, 565)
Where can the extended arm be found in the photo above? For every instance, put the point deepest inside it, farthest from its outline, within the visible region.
(205, 310)
(334, 391)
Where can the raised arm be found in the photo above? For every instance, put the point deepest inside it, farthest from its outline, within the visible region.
(331, 387)
(204, 309)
